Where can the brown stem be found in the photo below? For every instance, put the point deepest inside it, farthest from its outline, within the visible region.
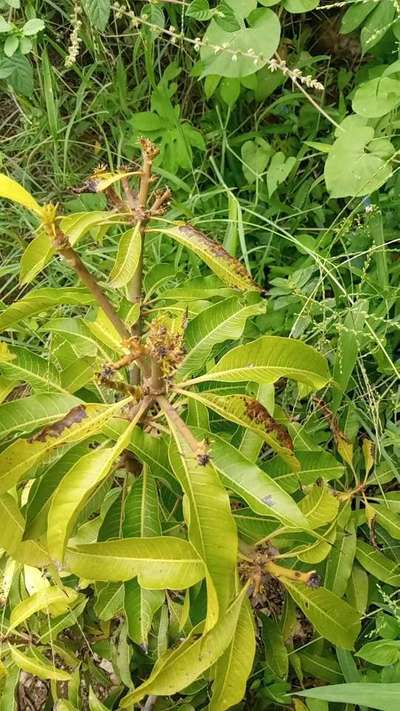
(138, 205)
(72, 258)
(199, 449)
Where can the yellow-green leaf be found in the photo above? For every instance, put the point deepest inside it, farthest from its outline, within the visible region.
(34, 663)
(81, 422)
(319, 506)
(127, 259)
(226, 267)
(249, 413)
(52, 600)
(269, 358)
(159, 562)
(76, 487)
(211, 526)
(180, 667)
(11, 190)
(332, 617)
(233, 668)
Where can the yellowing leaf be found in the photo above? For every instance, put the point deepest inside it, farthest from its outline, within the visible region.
(158, 562)
(226, 267)
(249, 413)
(211, 527)
(180, 667)
(127, 259)
(34, 663)
(81, 422)
(233, 668)
(269, 358)
(45, 600)
(11, 190)
(320, 506)
(332, 617)
(77, 486)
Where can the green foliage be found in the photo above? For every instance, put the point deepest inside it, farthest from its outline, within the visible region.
(198, 471)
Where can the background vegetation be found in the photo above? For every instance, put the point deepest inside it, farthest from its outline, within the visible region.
(277, 124)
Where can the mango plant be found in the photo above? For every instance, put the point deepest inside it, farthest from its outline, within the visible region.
(163, 507)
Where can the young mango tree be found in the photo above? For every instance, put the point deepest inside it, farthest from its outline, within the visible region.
(160, 505)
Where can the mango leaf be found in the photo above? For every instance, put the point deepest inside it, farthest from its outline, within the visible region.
(314, 465)
(109, 601)
(220, 322)
(48, 599)
(242, 52)
(377, 564)
(127, 259)
(260, 491)
(249, 413)
(142, 518)
(12, 528)
(34, 663)
(387, 519)
(340, 562)
(94, 703)
(226, 267)
(269, 358)
(34, 411)
(31, 368)
(11, 190)
(81, 422)
(211, 527)
(77, 486)
(332, 617)
(319, 506)
(159, 562)
(35, 257)
(40, 300)
(234, 666)
(376, 696)
(180, 667)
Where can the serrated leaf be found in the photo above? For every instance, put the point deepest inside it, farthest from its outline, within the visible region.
(158, 563)
(333, 618)
(226, 267)
(127, 259)
(11, 190)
